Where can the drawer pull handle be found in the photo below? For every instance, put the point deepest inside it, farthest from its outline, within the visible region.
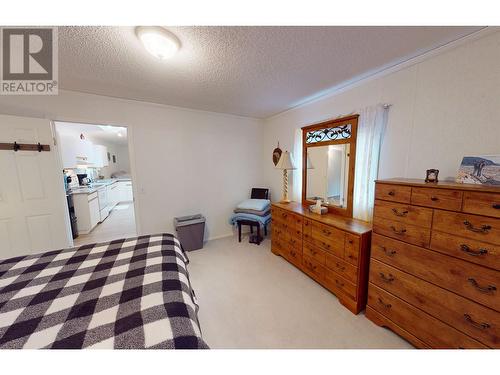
(434, 199)
(327, 232)
(397, 213)
(487, 289)
(401, 232)
(476, 324)
(386, 279)
(386, 305)
(388, 252)
(484, 228)
(496, 206)
(466, 249)
(392, 193)
(325, 244)
(342, 268)
(339, 283)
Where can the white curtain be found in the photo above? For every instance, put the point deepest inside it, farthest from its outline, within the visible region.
(297, 173)
(371, 127)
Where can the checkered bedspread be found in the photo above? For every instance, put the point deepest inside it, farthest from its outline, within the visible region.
(129, 293)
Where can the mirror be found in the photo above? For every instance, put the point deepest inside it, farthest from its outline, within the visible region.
(328, 161)
(328, 174)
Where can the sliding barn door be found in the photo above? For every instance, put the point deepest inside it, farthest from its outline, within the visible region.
(32, 200)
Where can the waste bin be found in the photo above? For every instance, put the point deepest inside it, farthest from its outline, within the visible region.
(190, 230)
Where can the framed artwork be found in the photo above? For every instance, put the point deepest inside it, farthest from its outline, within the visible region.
(483, 169)
(114, 158)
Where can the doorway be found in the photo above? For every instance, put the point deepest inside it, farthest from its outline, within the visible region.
(95, 162)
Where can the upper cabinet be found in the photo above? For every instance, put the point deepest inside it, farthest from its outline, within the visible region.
(76, 151)
(100, 156)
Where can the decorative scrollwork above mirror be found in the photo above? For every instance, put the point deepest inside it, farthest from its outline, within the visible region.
(329, 150)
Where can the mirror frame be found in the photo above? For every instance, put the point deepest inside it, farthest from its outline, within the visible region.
(353, 120)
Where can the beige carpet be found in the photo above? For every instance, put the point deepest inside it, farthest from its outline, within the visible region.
(250, 298)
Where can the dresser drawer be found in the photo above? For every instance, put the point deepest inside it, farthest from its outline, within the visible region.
(427, 328)
(487, 204)
(327, 233)
(469, 317)
(292, 241)
(437, 198)
(352, 248)
(345, 269)
(336, 282)
(479, 228)
(307, 229)
(313, 267)
(402, 231)
(314, 252)
(394, 193)
(296, 222)
(478, 283)
(471, 250)
(333, 246)
(404, 213)
(292, 255)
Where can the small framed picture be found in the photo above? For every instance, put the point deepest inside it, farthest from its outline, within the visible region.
(481, 169)
(432, 175)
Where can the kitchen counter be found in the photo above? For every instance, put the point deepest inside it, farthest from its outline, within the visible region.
(99, 184)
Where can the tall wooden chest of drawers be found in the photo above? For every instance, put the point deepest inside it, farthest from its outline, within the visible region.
(435, 263)
(332, 250)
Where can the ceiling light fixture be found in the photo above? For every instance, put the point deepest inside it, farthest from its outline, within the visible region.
(158, 41)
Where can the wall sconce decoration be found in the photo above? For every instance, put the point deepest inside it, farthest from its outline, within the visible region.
(277, 154)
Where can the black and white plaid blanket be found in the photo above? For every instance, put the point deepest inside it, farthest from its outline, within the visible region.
(129, 293)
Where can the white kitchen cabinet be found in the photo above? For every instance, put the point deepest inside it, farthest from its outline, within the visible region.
(100, 156)
(125, 191)
(86, 211)
(75, 150)
(113, 191)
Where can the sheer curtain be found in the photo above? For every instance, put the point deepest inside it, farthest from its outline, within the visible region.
(297, 173)
(371, 127)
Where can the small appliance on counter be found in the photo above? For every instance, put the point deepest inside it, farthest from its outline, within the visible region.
(83, 180)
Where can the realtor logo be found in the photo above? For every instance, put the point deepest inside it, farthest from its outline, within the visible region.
(28, 61)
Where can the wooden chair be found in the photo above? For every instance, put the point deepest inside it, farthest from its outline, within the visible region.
(257, 193)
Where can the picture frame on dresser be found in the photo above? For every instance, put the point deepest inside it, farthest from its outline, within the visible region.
(435, 263)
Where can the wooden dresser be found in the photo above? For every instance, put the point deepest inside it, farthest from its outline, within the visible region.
(331, 249)
(435, 263)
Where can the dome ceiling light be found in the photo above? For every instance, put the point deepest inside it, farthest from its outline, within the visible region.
(158, 41)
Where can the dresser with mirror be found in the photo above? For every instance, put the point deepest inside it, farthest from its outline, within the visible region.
(331, 248)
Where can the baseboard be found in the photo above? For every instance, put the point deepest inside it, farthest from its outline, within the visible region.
(220, 236)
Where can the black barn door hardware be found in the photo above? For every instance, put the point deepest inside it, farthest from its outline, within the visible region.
(24, 147)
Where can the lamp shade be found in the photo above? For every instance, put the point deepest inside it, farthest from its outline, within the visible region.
(286, 161)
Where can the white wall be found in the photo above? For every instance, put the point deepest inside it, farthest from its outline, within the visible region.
(122, 159)
(183, 161)
(443, 108)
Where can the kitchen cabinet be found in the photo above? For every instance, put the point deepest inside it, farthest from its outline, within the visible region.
(75, 151)
(113, 191)
(100, 156)
(86, 211)
(125, 193)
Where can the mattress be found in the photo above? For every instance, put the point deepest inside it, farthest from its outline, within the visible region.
(129, 293)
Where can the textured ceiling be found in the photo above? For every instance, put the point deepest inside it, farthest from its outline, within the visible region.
(248, 71)
(94, 133)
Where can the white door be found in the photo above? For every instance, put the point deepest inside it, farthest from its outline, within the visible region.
(32, 199)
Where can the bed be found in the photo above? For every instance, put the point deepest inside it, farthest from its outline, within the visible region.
(130, 293)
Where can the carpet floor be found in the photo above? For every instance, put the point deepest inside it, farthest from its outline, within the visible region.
(250, 298)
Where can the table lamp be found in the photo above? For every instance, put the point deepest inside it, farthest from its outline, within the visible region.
(285, 163)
